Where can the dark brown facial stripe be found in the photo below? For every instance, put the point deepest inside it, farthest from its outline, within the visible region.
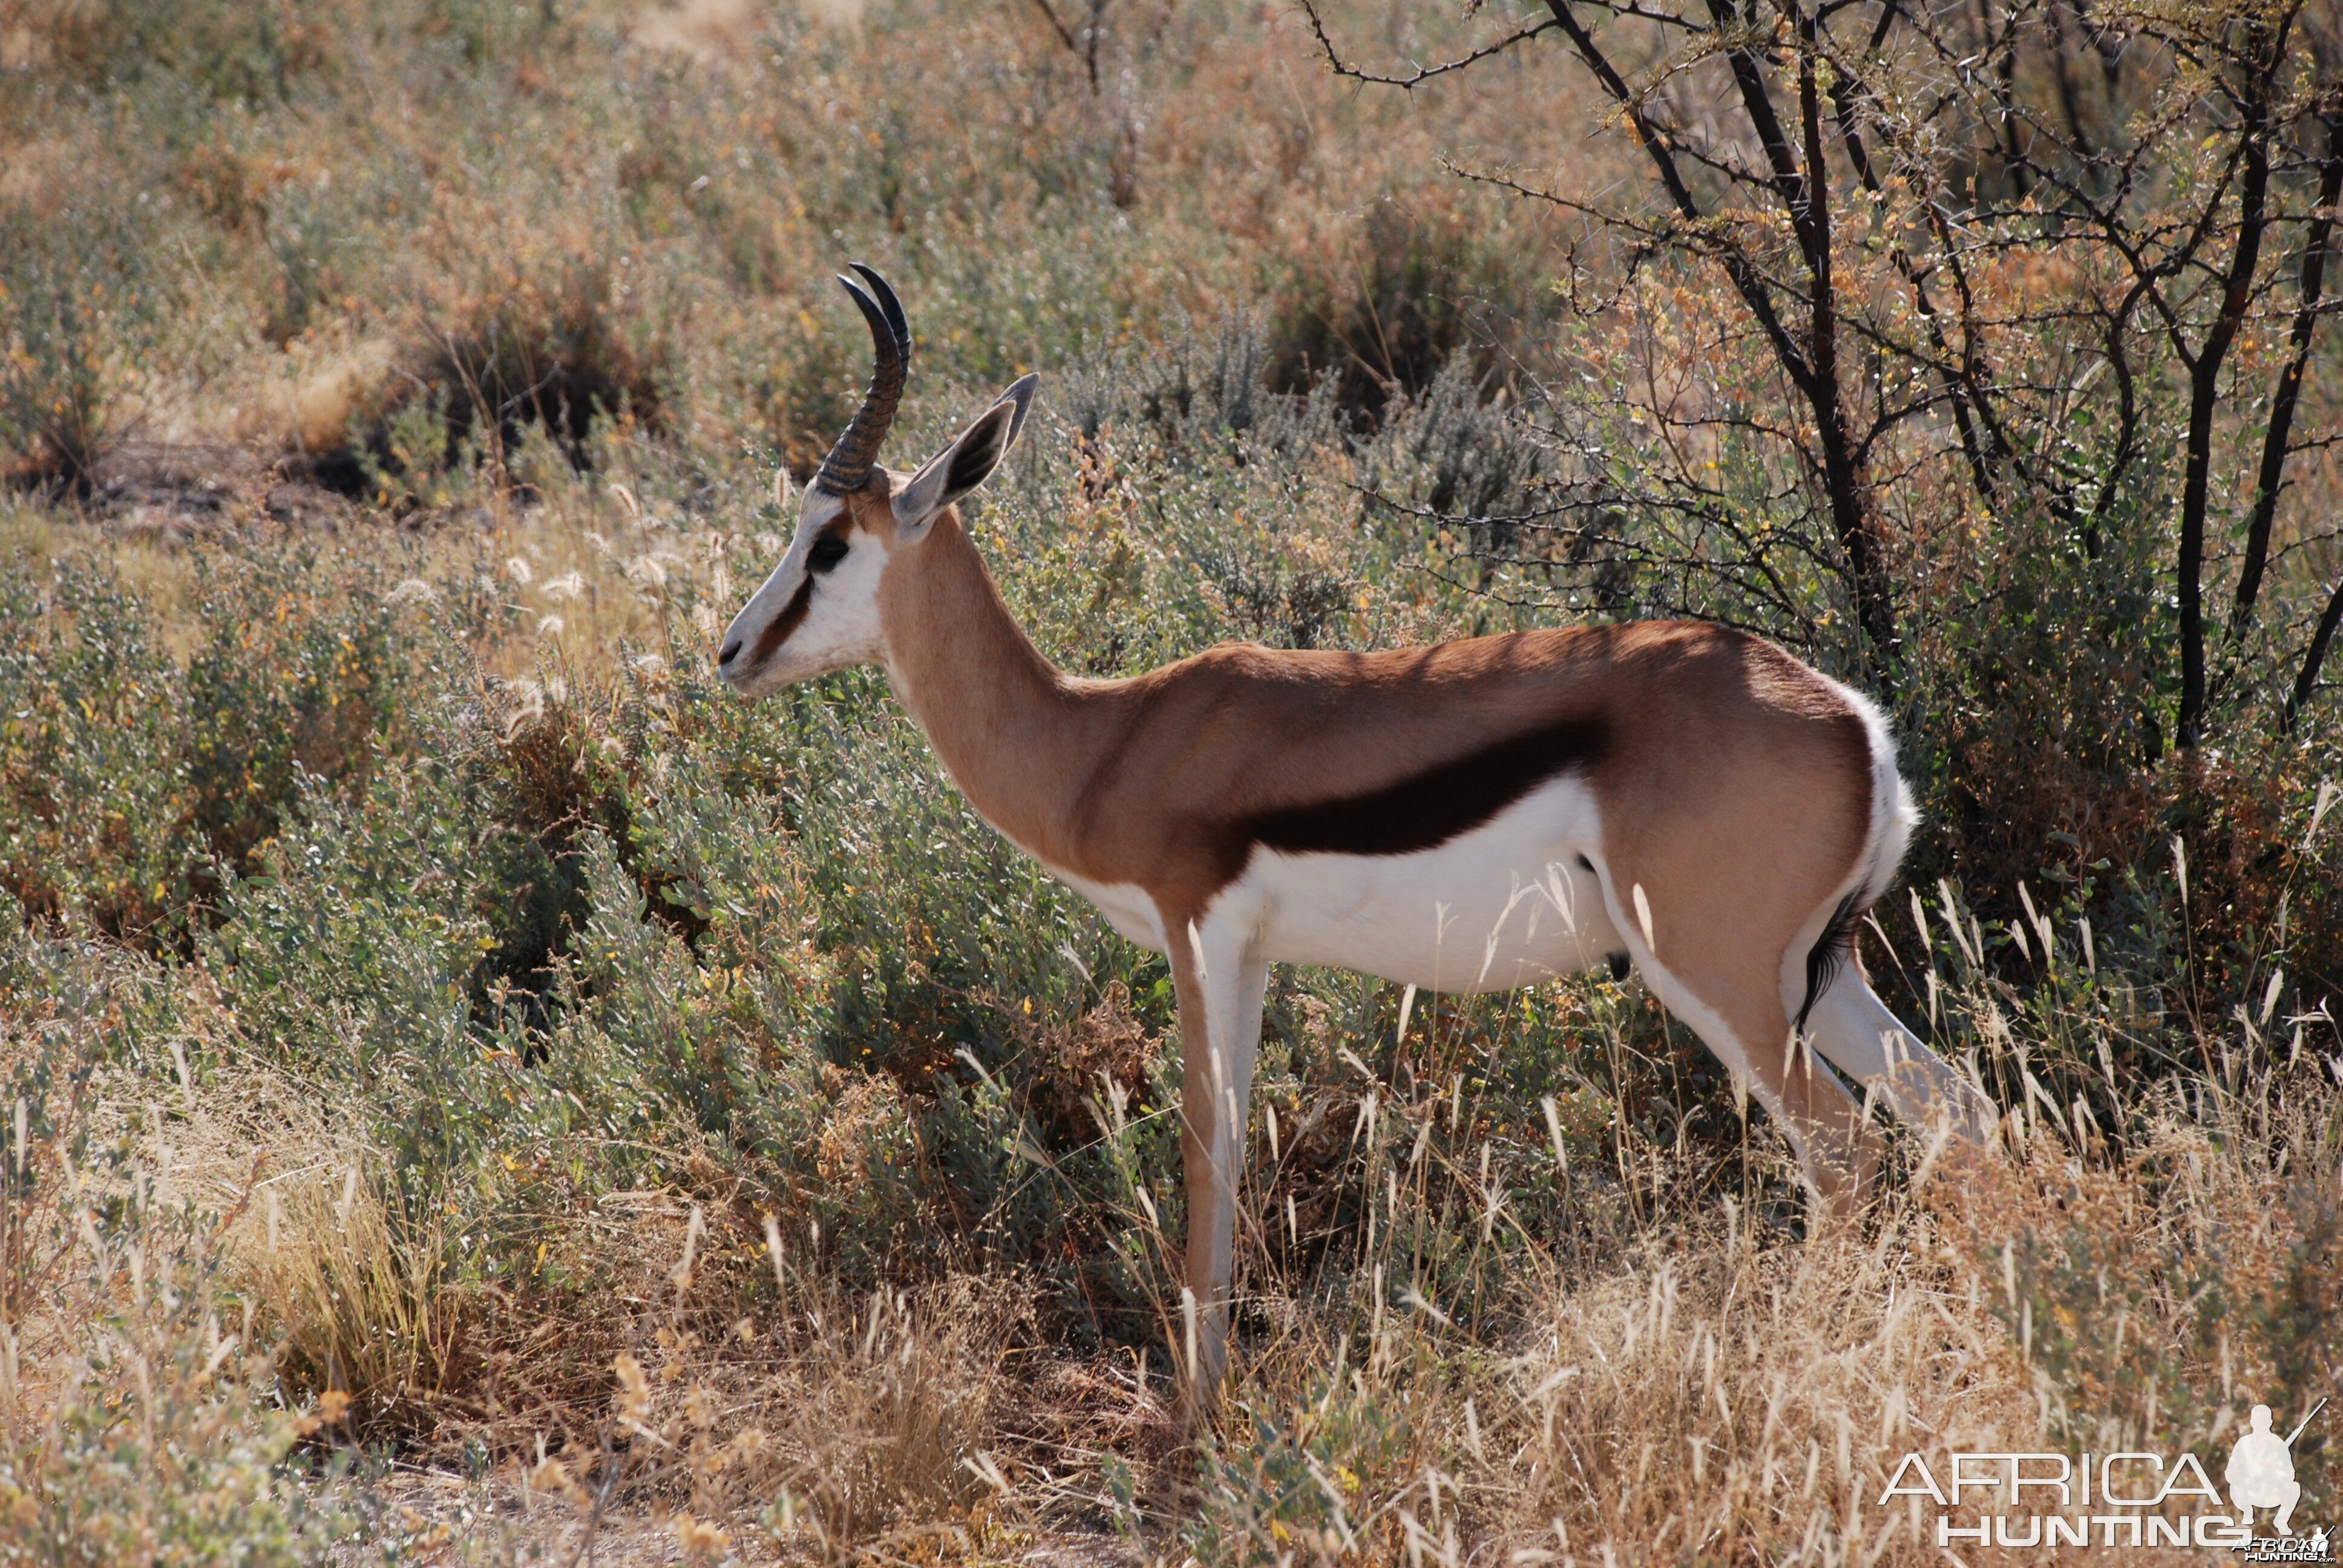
(794, 612)
(777, 631)
(1437, 804)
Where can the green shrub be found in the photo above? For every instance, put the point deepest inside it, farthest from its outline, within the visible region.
(78, 311)
(135, 782)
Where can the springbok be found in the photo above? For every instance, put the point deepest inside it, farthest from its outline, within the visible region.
(1469, 817)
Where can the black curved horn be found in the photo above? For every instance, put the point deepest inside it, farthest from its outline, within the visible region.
(887, 303)
(847, 467)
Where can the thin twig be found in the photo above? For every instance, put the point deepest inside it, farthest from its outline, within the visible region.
(1065, 36)
(1423, 73)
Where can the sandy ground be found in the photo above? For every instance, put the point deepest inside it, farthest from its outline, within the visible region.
(433, 1518)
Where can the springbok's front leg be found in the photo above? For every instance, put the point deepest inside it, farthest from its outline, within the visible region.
(1220, 976)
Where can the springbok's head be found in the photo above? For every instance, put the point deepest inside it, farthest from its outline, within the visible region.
(820, 609)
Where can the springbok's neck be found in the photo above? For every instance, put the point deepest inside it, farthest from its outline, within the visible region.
(1017, 737)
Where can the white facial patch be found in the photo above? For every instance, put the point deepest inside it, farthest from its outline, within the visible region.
(841, 624)
(831, 616)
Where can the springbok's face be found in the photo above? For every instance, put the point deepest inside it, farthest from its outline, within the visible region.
(818, 611)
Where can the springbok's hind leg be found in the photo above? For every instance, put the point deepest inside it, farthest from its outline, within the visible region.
(1837, 1152)
(1738, 1018)
(1220, 974)
(1852, 1029)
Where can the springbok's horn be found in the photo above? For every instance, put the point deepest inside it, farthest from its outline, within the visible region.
(847, 467)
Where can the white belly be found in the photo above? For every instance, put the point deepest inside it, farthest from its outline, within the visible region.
(1126, 906)
(1508, 904)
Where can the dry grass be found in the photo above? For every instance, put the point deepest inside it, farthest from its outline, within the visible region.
(1704, 1393)
(1706, 1398)
(138, 1425)
(354, 1301)
(1668, 1378)
(658, 222)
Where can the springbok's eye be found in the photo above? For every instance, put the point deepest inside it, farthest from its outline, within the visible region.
(827, 552)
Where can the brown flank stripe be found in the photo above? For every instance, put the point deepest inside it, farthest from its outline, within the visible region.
(1427, 809)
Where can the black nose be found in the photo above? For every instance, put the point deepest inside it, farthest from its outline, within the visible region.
(730, 650)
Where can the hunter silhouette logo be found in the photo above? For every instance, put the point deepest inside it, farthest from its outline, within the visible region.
(2260, 1471)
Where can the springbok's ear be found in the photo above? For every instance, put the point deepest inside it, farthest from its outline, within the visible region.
(967, 463)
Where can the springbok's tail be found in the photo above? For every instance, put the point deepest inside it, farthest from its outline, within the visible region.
(1889, 832)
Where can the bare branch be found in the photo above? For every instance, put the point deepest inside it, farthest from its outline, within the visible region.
(1738, 270)
(1065, 36)
(2306, 685)
(2271, 476)
(1423, 73)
